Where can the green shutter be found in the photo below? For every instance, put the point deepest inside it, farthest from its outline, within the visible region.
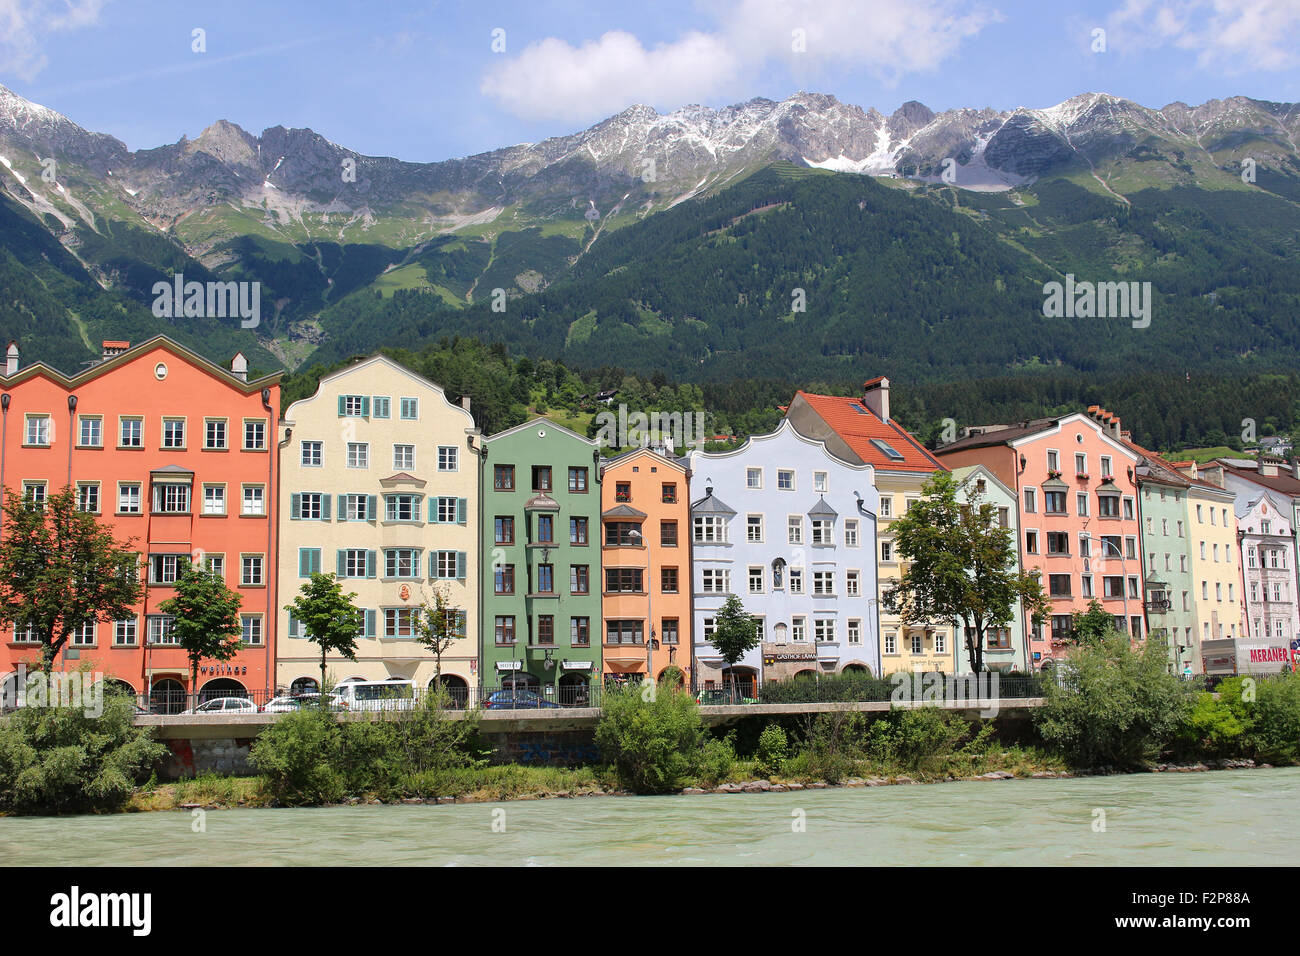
(433, 510)
(462, 510)
(370, 623)
(295, 506)
(343, 507)
(304, 567)
(341, 400)
(460, 565)
(293, 625)
(342, 563)
(325, 507)
(372, 507)
(370, 564)
(365, 406)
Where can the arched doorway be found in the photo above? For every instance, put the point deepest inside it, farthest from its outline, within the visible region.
(221, 687)
(746, 681)
(574, 691)
(304, 685)
(166, 696)
(456, 688)
(856, 669)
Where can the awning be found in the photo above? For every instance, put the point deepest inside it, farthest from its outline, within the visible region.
(575, 665)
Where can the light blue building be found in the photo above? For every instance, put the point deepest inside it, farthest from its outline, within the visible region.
(790, 529)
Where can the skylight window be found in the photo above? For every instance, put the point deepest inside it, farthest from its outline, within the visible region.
(887, 449)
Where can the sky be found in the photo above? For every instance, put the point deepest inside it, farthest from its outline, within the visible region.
(445, 78)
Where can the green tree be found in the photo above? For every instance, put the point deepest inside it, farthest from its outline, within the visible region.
(652, 739)
(60, 568)
(1090, 626)
(330, 618)
(735, 633)
(438, 625)
(962, 566)
(207, 624)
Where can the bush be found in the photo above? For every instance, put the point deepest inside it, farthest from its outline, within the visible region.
(650, 743)
(773, 749)
(58, 760)
(300, 757)
(847, 686)
(717, 759)
(832, 747)
(1212, 727)
(1114, 705)
(923, 740)
(1274, 730)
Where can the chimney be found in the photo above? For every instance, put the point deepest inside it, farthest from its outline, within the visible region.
(1267, 466)
(875, 396)
(239, 367)
(11, 358)
(464, 402)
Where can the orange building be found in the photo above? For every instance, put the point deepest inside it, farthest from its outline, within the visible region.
(645, 557)
(177, 454)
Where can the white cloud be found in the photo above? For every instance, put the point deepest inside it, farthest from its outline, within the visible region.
(1228, 36)
(551, 79)
(24, 25)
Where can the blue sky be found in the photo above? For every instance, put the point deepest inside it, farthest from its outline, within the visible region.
(421, 81)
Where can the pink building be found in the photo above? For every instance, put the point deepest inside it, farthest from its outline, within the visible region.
(1075, 481)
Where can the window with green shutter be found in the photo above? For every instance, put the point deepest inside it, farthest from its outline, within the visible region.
(308, 562)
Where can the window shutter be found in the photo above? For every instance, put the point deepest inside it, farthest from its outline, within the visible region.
(293, 625)
(372, 507)
(462, 510)
(325, 507)
(370, 564)
(460, 565)
(342, 563)
(304, 568)
(370, 623)
(343, 507)
(365, 406)
(433, 510)
(295, 505)
(341, 399)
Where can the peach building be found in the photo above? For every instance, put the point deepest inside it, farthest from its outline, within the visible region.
(1075, 481)
(179, 455)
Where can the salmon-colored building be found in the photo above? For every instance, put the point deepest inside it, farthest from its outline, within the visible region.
(177, 454)
(645, 557)
(1076, 483)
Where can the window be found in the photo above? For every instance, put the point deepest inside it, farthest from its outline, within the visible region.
(668, 630)
(167, 568)
(917, 647)
(623, 491)
(1031, 542)
(578, 531)
(171, 498)
(504, 627)
(541, 477)
(891, 643)
(356, 563)
(794, 529)
(823, 582)
(255, 435)
(1054, 502)
(38, 430)
(579, 579)
(358, 507)
(410, 409)
(354, 406)
(622, 534)
(716, 580)
(1086, 582)
(311, 454)
(753, 477)
(546, 629)
(855, 632)
(756, 579)
(1108, 506)
(404, 458)
(578, 481)
(710, 529)
(1058, 585)
(798, 629)
(309, 562)
(173, 433)
(546, 579)
(669, 493)
(796, 580)
(251, 570)
(88, 498)
(382, 406)
(92, 432)
(580, 631)
(401, 562)
(447, 565)
(1080, 464)
(851, 533)
(503, 477)
(887, 552)
(1058, 542)
(215, 435)
(214, 499)
(128, 498)
(1085, 546)
(448, 458)
(823, 531)
(623, 580)
(784, 480)
(161, 629)
(824, 630)
(399, 622)
(668, 580)
(254, 501)
(503, 529)
(503, 579)
(1112, 586)
(1030, 505)
(668, 534)
(124, 633)
(819, 482)
(886, 506)
(131, 432)
(1081, 501)
(83, 635)
(402, 507)
(1105, 466)
(940, 642)
(623, 632)
(251, 628)
(754, 528)
(852, 583)
(1053, 461)
(358, 454)
(1062, 625)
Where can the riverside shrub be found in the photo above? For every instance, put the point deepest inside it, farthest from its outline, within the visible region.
(300, 758)
(772, 751)
(1274, 729)
(652, 744)
(59, 760)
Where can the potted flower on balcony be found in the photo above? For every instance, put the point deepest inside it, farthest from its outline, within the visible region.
(1053, 475)
(1082, 476)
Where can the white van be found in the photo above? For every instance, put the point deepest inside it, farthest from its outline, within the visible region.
(376, 695)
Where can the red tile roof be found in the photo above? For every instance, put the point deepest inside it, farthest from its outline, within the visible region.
(857, 425)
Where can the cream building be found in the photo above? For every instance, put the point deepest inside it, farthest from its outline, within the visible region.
(1216, 568)
(379, 486)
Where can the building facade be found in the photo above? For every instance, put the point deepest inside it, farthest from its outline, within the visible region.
(646, 560)
(179, 455)
(790, 528)
(541, 599)
(380, 487)
(861, 430)
(1267, 536)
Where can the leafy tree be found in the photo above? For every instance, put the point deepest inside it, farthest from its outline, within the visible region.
(438, 625)
(962, 566)
(1090, 626)
(59, 568)
(330, 618)
(207, 623)
(735, 633)
(652, 740)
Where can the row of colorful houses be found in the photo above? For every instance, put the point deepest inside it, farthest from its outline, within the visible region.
(569, 564)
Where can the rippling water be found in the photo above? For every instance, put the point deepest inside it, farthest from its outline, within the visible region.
(1235, 818)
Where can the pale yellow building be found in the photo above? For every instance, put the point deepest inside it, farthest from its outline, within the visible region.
(1216, 568)
(379, 485)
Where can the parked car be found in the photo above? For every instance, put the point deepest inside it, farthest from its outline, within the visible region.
(517, 700)
(313, 700)
(224, 705)
(280, 705)
(287, 703)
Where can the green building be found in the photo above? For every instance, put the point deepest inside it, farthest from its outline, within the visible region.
(540, 508)
(1166, 546)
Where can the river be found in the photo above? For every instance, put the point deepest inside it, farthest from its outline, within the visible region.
(1236, 818)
